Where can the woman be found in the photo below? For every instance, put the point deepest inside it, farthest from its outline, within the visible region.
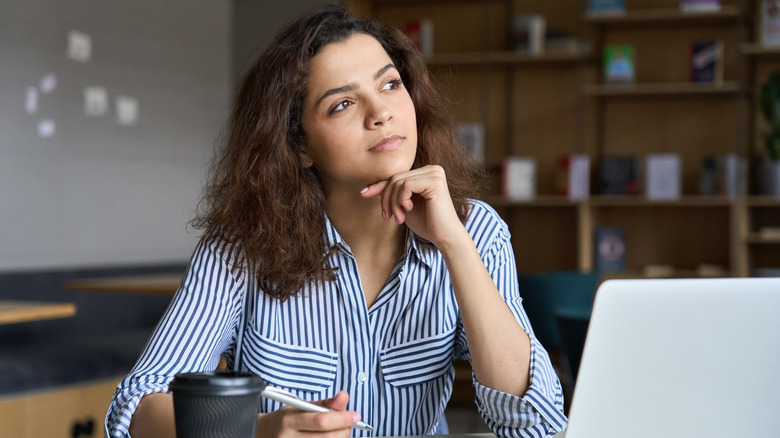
(342, 251)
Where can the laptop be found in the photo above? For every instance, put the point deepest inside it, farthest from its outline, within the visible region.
(680, 358)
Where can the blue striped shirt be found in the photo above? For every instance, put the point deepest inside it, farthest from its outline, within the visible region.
(395, 358)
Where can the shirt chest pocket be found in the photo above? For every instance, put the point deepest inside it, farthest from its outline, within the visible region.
(418, 361)
(292, 367)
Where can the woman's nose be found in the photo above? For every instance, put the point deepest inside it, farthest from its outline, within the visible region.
(378, 115)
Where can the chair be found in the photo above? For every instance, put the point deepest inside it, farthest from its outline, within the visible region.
(573, 327)
(558, 305)
(544, 294)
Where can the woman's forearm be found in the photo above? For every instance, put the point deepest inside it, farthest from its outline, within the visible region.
(499, 347)
(154, 417)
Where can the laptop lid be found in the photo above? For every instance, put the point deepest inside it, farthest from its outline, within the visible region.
(681, 358)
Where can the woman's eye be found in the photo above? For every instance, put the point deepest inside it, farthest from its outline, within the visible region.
(393, 85)
(340, 106)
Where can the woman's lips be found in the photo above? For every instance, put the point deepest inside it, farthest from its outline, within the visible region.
(388, 144)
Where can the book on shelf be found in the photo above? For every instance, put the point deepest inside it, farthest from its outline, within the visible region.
(597, 7)
(707, 61)
(610, 247)
(700, 5)
(472, 136)
(421, 33)
(710, 177)
(619, 64)
(618, 175)
(528, 33)
(723, 176)
(518, 178)
(663, 176)
(770, 23)
(574, 176)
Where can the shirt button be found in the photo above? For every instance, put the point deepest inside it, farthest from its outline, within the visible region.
(362, 377)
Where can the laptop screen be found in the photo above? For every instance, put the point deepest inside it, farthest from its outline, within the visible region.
(681, 358)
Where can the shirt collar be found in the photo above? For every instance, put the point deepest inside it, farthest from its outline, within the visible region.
(422, 249)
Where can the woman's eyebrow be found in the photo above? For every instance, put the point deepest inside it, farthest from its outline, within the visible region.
(352, 86)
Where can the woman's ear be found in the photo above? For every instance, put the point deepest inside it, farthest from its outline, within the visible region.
(306, 162)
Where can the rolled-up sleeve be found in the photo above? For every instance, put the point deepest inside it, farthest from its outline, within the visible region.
(539, 412)
(199, 324)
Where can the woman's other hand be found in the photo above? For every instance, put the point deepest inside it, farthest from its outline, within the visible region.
(289, 422)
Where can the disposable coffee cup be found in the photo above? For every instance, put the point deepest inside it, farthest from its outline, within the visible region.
(216, 404)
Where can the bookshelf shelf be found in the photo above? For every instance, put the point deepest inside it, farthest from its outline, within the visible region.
(539, 201)
(758, 239)
(506, 58)
(638, 274)
(728, 14)
(763, 201)
(641, 201)
(671, 89)
(755, 49)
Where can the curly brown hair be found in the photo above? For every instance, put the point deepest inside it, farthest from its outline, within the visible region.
(262, 200)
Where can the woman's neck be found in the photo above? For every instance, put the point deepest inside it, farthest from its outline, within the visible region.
(359, 222)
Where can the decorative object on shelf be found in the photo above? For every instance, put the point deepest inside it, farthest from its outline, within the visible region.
(770, 107)
(518, 178)
(564, 42)
(421, 32)
(619, 64)
(618, 175)
(770, 23)
(528, 31)
(472, 137)
(707, 61)
(769, 233)
(735, 175)
(596, 7)
(663, 174)
(610, 249)
(710, 177)
(658, 271)
(710, 271)
(574, 176)
(700, 5)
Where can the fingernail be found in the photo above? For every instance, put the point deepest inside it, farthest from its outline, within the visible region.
(396, 220)
(356, 417)
(384, 216)
(365, 189)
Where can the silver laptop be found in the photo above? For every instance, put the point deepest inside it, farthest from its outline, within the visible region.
(681, 358)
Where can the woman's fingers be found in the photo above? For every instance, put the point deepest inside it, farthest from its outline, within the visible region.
(336, 423)
(397, 194)
(323, 422)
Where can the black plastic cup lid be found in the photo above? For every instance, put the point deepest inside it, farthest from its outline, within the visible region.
(216, 383)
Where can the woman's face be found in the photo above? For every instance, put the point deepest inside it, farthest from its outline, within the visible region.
(358, 117)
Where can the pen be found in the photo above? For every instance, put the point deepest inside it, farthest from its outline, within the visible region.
(282, 396)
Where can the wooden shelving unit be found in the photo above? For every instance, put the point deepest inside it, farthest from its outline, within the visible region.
(553, 104)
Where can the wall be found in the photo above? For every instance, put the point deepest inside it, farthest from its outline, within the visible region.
(257, 21)
(98, 192)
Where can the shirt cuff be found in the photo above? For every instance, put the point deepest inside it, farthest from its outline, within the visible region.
(122, 408)
(540, 409)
